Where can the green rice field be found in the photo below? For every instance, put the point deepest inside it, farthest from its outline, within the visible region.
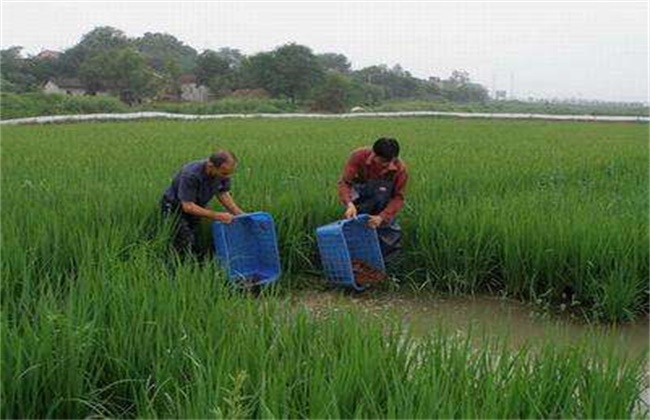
(100, 319)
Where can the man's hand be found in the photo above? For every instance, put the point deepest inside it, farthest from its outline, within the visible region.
(375, 221)
(350, 212)
(223, 217)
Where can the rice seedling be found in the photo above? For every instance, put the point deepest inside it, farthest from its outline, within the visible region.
(99, 319)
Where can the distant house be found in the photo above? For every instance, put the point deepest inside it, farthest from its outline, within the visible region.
(72, 87)
(69, 86)
(191, 91)
(500, 95)
(436, 81)
(251, 93)
(48, 55)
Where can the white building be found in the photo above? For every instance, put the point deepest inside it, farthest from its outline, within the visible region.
(72, 87)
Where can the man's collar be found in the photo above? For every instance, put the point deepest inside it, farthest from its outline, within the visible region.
(369, 158)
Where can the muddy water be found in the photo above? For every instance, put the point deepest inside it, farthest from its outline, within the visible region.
(514, 321)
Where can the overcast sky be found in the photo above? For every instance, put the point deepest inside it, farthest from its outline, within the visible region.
(587, 50)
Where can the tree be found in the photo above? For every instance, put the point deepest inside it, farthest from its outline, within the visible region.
(161, 50)
(297, 71)
(459, 88)
(334, 62)
(123, 72)
(210, 64)
(233, 56)
(217, 71)
(97, 41)
(395, 82)
(291, 70)
(258, 71)
(459, 78)
(133, 79)
(44, 69)
(336, 94)
(15, 72)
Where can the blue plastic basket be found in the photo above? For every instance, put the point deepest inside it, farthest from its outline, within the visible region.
(341, 242)
(247, 248)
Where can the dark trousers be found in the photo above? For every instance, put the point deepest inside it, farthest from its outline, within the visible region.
(372, 198)
(185, 230)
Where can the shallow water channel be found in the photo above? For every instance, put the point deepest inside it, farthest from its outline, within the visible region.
(514, 321)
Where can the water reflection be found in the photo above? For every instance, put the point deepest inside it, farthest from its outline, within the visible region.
(517, 322)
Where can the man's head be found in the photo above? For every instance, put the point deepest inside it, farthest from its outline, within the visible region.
(221, 163)
(386, 150)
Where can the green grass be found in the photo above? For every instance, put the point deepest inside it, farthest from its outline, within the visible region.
(530, 209)
(135, 337)
(514, 106)
(226, 106)
(98, 320)
(38, 104)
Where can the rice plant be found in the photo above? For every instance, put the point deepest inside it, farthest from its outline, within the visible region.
(99, 319)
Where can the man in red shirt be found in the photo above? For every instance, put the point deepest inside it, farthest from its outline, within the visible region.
(373, 182)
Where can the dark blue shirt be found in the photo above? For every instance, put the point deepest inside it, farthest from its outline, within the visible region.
(191, 183)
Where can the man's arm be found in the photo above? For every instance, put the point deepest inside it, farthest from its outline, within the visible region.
(350, 171)
(196, 210)
(229, 203)
(187, 192)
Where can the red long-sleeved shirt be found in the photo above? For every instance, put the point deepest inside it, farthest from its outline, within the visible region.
(361, 167)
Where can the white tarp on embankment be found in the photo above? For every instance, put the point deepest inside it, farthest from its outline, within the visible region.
(166, 115)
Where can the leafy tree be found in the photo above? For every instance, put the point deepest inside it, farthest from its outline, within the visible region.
(334, 62)
(97, 41)
(98, 72)
(217, 70)
(258, 71)
(370, 94)
(123, 72)
(458, 78)
(44, 69)
(395, 82)
(291, 70)
(297, 71)
(210, 64)
(15, 71)
(163, 52)
(338, 93)
(233, 56)
(459, 88)
(105, 59)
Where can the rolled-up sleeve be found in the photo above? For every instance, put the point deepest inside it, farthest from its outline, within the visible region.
(350, 171)
(224, 186)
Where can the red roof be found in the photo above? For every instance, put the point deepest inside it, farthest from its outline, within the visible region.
(47, 54)
(187, 78)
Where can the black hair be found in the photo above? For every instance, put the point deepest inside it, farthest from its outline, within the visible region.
(220, 157)
(386, 148)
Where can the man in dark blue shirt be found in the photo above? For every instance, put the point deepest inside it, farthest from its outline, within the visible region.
(192, 189)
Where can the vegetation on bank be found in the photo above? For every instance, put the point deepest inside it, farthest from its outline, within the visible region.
(24, 105)
(158, 67)
(517, 107)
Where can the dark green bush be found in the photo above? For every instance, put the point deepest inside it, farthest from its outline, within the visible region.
(14, 105)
